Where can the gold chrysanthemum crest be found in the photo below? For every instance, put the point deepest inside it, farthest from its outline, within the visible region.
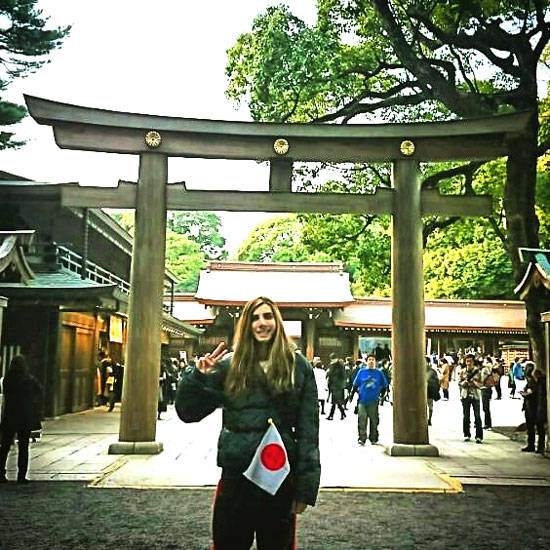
(281, 146)
(153, 139)
(407, 147)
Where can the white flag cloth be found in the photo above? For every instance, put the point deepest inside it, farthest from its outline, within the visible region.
(269, 466)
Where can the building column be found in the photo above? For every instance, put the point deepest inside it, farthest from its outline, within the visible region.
(410, 422)
(138, 418)
(310, 338)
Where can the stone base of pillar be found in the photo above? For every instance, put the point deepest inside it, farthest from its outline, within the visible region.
(135, 448)
(401, 449)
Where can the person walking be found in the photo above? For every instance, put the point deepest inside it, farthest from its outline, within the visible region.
(534, 395)
(104, 364)
(444, 374)
(22, 415)
(433, 388)
(498, 371)
(386, 368)
(542, 408)
(162, 395)
(488, 381)
(469, 382)
(263, 379)
(369, 382)
(336, 377)
(514, 371)
(321, 382)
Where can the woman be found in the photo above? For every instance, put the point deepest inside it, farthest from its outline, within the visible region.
(444, 375)
(532, 395)
(262, 379)
(22, 415)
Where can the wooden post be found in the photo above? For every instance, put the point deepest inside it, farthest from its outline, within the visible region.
(410, 431)
(141, 375)
(3, 305)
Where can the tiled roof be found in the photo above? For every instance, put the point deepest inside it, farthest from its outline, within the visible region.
(537, 271)
(440, 315)
(61, 278)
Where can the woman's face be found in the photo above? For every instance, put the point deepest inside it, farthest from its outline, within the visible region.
(263, 324)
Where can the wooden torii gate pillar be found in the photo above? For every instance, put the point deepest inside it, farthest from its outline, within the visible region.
(155, 138)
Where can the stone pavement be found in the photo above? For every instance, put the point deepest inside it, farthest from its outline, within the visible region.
(74, 447)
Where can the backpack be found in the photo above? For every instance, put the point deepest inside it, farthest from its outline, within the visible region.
(492, 380)
(433, 387)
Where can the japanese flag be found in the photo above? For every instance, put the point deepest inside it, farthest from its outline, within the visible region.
(269, 466)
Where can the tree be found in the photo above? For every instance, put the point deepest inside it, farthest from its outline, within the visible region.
(24, 43)
(278, 239)
(184, 257)
(415, 60)
(467, 261)
(202, 228)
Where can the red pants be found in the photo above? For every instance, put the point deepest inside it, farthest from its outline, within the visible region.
(241, 509)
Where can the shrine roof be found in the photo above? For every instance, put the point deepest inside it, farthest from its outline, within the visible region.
(537, 271)
(288, 284)
(440, 315)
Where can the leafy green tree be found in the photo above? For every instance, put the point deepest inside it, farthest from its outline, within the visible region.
(468, 261)
(411, 60)
(279, 239)
(185, 259)
(202, 228)
(24, 45)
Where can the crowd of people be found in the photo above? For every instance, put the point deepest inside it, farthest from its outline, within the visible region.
(479, 379)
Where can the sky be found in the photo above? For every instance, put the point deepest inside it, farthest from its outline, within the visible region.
(165, 57)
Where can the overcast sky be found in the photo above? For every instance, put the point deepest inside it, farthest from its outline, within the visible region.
(165, 57)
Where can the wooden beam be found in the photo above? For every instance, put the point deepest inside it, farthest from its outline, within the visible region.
(84, 128)
(456, 205)
(51, 113)
(260, 148)
(280, 175)
(178, 198)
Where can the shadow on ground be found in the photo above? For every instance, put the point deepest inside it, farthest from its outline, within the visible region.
(70, 516)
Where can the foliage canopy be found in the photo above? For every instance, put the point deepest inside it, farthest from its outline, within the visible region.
(24, 44)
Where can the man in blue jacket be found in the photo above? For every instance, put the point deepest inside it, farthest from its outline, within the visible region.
(369, 383)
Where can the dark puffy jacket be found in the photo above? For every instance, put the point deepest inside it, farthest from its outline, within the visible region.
(295, 414)
(22, 404)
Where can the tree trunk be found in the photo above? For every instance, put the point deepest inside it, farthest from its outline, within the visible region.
(522, 224)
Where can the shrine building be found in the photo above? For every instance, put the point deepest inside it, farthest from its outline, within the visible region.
(323, 317)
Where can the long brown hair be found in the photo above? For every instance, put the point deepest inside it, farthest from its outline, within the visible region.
(245, 371)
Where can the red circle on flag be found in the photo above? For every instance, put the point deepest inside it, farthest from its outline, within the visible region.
(273, 457)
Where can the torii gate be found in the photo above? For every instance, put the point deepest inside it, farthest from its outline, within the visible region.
(155, 138)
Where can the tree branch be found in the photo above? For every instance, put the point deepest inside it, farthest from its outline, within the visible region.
(466, 170)
(430, 227)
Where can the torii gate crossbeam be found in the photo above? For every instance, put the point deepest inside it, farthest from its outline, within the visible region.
(156, 138)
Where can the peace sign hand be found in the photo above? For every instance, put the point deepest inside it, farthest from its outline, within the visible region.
(207, 363)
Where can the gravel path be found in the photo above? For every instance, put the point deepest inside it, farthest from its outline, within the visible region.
(68, 515)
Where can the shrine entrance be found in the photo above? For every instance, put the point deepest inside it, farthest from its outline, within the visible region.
(155, 138)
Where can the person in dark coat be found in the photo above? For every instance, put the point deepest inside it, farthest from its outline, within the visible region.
(263, 380)
(336, 377)
(534, 396)
(22, 415)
